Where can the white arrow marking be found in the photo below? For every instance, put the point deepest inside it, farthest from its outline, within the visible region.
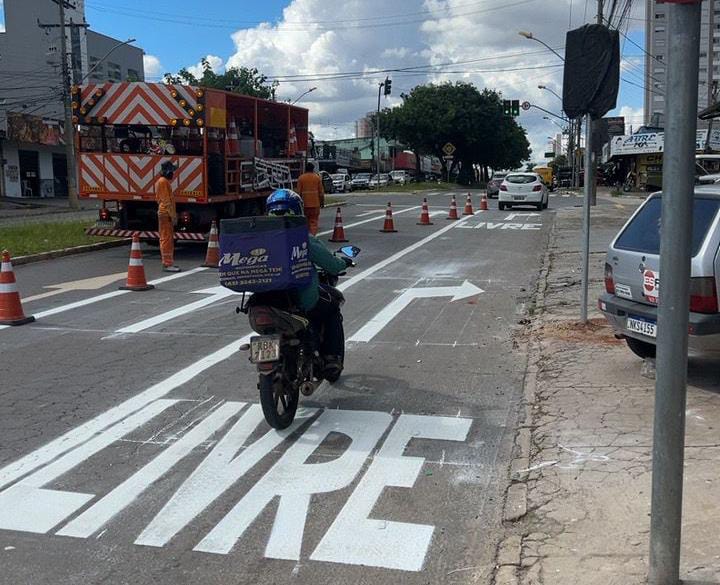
(94, 283)
(514, 215)
(216, 293)
(380, 321)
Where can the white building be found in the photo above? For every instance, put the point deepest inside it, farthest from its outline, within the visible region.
(31, 107)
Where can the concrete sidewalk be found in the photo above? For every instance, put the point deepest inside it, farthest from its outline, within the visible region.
(589, 417)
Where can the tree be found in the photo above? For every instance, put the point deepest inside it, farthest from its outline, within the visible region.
(472, 120)
(559, 161)
(244, 80)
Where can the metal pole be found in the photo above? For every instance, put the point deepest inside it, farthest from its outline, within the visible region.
(593, 186)
(69, 128)
(589, 180)
(675, 250)
(377, 127)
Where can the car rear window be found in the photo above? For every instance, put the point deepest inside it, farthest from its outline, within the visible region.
(521, 179)
(643, 232)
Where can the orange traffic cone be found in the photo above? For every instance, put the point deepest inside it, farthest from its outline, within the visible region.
(453, 209)
(11, 311)
(136, 271)
(389, 226)
(468, 206)
(338, 234)
(232, 142)
(484, 203)
(212, 258)
(425, 214)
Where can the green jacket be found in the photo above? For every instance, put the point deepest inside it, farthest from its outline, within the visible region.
(321, 257)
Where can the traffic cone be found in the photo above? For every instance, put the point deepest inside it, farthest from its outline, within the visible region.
(136, 271)
(232, 143)
(468, 206)
(389, 226)
(11, 311)
(453, 209)
(425, 214)
(484, 203)
(338, 234)
(212, 258)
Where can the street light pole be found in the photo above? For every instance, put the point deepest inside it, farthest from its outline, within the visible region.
(675, 252)
(302, 95)
(377, 129)
(110, 52)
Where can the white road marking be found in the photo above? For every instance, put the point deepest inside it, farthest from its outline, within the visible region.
(380, 321)
(355, 538)
(503, 226)
(377, 218)
(295, 482)
(95, 283)
(28, 507)
(521, 214)
(93, 519)
(366, 213)
(216, 294)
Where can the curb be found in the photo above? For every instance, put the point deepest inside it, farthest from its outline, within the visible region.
(31, 258)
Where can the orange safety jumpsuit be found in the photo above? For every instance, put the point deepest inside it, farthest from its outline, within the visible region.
(167, 217)
(310, 188)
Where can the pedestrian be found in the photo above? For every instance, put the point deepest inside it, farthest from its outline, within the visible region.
(310, 188)
(167, 216)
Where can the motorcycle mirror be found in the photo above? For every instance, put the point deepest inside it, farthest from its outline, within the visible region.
(349, 251)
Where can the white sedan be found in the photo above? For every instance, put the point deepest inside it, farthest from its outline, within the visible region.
(523, 189)
(381, 181)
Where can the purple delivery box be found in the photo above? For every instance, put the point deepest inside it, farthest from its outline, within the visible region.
(259, 254)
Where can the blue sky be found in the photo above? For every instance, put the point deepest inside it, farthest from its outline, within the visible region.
(303, 40)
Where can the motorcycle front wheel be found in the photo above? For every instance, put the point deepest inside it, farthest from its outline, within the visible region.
(279, 404)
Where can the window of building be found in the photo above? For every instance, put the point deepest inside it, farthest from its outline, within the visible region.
(659, 70)
(660, 16)
(660, 42)
(658, 98)
(660, 29)
(133, 75)
(114, 71)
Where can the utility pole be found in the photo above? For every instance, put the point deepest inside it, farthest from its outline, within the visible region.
(69, 134)
(377, 129)
(683, 39)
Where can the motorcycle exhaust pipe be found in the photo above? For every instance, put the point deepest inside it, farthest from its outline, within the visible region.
(307, 388)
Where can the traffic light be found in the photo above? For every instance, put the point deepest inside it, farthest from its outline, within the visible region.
(507, 107)
(388, 86)
(515, 108)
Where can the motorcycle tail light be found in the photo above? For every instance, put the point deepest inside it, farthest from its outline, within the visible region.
(185, 218)
(262, 320)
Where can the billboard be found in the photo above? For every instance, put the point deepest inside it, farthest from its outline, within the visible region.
(34, 130)
(654, 142)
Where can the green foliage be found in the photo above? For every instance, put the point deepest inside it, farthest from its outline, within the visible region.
(244, 80)
(559, 161)
(472, 120)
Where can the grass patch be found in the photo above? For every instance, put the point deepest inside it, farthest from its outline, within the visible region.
(33, 238)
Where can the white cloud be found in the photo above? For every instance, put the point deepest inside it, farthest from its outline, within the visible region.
(216, 63)
(479, 38)
(633, 117)
(153, 67)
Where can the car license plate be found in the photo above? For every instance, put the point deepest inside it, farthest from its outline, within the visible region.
(264, 349)
(518, 197)
(647, 328)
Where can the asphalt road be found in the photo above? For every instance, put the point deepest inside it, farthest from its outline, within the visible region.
(133, 450)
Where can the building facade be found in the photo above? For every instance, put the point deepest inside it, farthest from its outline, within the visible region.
(364, 127)
(31, 95)
(656, 42)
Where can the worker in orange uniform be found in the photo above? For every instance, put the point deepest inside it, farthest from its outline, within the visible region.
(310, 188)
(167, 216)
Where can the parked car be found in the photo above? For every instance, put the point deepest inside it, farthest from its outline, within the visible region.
(523, 189)
(327, 182)
(493, 186)
(632, 278)
(382, 180)
(360, 181)
(400, 177)
(341, 182)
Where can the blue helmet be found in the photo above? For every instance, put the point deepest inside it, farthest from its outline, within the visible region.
(284, 202)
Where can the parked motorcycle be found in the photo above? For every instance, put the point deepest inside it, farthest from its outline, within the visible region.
(286, 349)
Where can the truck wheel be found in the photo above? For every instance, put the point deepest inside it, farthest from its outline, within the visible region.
(642, 349)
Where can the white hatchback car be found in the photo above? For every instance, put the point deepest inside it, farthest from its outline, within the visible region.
(523, 189)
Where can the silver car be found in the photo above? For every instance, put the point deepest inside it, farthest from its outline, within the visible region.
(632, 277)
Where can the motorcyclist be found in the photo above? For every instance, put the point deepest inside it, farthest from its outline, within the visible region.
(314, 299)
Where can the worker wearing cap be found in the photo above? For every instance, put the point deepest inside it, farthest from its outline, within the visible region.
(310, 188)
(167, 216)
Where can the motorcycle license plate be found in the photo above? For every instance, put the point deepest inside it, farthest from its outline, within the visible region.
(264, 349)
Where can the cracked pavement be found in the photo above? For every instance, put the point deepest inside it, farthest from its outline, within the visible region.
(591, 415)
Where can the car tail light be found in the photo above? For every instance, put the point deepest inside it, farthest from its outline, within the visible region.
(503, 187)
(703, 295)
(609, 282)
(185, 218)
(104, 214)
(537, 188)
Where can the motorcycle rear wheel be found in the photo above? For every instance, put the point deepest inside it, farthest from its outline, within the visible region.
(279, 406)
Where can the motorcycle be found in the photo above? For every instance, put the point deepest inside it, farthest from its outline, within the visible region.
(286, 349)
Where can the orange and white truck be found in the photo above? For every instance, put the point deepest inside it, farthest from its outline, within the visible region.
(230, 150)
